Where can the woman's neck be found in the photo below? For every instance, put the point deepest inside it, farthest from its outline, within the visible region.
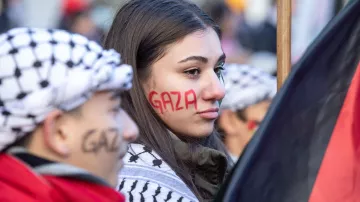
(190, 140)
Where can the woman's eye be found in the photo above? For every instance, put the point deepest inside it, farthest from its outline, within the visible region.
(193, 72)
(218, 70)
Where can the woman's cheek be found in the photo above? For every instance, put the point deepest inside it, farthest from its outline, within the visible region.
(173, 100)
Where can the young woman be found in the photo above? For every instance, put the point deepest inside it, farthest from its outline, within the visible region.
(249, 92)
(60, 137)
(175, 50)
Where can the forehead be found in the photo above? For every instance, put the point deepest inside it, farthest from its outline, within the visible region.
(204, 43)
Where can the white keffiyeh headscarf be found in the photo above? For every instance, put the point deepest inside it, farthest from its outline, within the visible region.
(245, 86)
(42, 70)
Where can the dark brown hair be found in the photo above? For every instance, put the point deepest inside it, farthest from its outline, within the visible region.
(141, 31)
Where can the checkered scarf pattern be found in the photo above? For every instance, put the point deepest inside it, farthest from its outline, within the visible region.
(46, 69)
(245, 86)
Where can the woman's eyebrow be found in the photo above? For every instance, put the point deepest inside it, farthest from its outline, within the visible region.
(195, 58)
(201, 59)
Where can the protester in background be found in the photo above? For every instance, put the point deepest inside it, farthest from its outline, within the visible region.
(257, 34)
(248, 36)
(175, 50)
(236, 6)
(228, 22)
(249, 92)
(77, 18)
(63, 133)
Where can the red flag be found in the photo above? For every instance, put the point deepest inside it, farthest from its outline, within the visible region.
(338, 178)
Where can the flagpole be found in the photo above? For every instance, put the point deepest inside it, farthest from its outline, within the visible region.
(283, 39)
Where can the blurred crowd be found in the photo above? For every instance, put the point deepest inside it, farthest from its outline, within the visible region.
(248, 38)
(249, 26)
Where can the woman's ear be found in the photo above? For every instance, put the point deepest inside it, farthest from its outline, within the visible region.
(54, 136)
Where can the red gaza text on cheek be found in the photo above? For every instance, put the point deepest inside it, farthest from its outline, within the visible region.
(171, 100)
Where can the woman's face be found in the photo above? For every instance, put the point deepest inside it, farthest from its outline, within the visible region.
(185, 85)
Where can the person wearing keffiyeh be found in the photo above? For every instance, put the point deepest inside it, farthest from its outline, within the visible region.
(249, 92)
(63, 133)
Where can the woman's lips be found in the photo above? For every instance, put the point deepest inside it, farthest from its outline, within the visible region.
(211, 113)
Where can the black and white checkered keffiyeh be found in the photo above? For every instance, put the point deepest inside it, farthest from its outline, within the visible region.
(245, 86)
(42, 70)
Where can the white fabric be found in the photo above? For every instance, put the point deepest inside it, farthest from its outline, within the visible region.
(42, 70)
(146, 177)
(245, 86)
(309, 19)
(233, 157)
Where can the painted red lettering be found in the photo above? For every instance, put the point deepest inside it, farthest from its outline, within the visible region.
(187, 98)
(178, 94)
(166, 99)
(155, 103)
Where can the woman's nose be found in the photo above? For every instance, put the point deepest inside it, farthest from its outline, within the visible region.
(215, 89)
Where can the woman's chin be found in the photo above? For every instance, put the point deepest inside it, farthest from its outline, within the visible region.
(202, 131)
(194, 131)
